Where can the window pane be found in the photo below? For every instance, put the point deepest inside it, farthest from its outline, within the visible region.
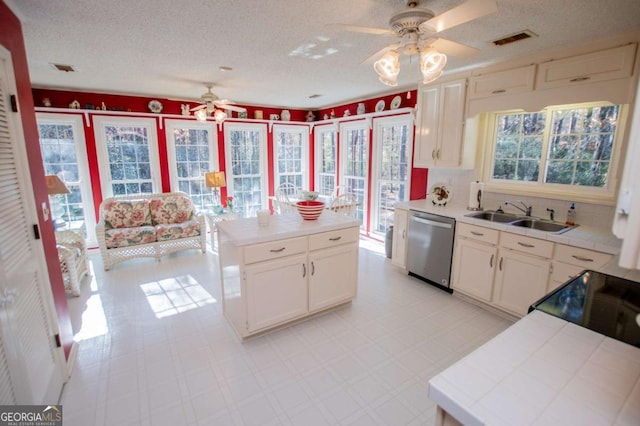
(518, 136)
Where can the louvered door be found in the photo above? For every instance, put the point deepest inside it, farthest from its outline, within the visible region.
(30, 362)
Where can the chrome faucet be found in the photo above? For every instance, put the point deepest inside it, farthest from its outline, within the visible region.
(526, 210)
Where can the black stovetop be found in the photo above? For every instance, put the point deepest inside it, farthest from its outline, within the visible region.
(604, 303)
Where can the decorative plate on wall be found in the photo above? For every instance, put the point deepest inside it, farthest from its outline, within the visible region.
(440, 195)
(155, 106)
(395, 102)
(380, 106)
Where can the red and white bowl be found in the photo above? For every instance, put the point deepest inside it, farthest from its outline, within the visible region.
(310, 210)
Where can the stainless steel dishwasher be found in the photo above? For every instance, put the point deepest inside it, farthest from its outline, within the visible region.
(430, 248)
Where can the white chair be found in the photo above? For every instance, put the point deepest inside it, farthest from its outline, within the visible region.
(345, 204)
(284, 194)
(338, 190)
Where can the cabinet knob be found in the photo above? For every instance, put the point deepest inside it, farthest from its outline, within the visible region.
(582, 259)
(304, 270)
(491, 261)
(578, 79)
(500, 264)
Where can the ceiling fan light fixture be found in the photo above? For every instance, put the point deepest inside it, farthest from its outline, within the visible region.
(388, 67)
(428, 78)
(389, 81)
(432, 61)
(201, 114)
(219, 115)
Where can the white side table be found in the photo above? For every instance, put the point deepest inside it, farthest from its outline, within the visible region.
(213, 218)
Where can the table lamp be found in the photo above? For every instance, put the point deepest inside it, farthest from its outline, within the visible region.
(215, 180)
(55, 187)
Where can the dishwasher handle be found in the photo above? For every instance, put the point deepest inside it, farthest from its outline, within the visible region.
(431, 222)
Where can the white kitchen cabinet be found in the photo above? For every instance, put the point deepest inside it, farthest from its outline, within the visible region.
(332, 276)
(523, 272)
(569, 261)
(475, 264)
(589, 68)
(518, 80)
(276, 291)
(439, 131)
(399, 243)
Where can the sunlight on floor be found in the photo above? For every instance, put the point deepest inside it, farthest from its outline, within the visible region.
(94, 322)
(373, 246)
(174, 295)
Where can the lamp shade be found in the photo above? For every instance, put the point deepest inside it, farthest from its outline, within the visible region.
(55, 185)
(388, 67)
(214, 179)
(219, 115)
(431, 63)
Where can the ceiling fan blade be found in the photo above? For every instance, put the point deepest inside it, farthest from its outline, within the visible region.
(199, 107)
(379, 53)
(453, 48)
(466, 12)
(366, 30)
(230, 107)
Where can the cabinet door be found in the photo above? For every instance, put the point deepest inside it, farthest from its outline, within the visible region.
(399, 250)
(520, 281)
(333, 276)
(474, 266)
(517, 80)
(425, 147)
(451, 124)
(276, 291)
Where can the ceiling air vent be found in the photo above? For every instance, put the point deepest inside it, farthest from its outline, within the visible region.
(522, 35)
(314, 96)
(62, 67)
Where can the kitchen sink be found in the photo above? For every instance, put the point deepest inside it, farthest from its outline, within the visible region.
(494, 216)
(522, 221)
(542, 225)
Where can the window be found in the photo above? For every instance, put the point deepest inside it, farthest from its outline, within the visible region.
(246, 159)
(392, 142)
(564, 150)
(354, 160)
(127, 155)
(326, 155)
(64, 153)
(193, 151)
(291, 155)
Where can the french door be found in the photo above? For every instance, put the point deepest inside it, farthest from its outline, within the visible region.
(326, 159)
(291, 155)
(392, 149)
(354, 163)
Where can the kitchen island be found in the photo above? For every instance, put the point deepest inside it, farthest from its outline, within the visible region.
(287, 271)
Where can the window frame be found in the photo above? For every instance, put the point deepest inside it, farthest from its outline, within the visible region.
(264, 160)
(214, 163)
(605, 195)
(379, 124)
(82, 160)
(99, 124)
(318, 136)
(303, 131)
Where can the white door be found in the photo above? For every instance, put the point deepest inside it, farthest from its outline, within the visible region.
(354, 163)
(31, 364)
(474, 268)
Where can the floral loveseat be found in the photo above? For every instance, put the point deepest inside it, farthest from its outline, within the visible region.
(148, 225)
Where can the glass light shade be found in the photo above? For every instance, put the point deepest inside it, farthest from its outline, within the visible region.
(388, 67)
(389, 81)
(201, 114)
(432, 62)
(428, 78)
(219, 115)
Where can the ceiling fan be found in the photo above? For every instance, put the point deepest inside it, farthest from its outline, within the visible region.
(211, 103)
(416, 27)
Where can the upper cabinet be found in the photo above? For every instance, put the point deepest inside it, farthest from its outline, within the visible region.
(517, 80)
(597, 66)
(439, 132)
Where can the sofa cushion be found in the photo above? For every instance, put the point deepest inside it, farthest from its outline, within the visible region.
(126, 214)
(125, 237)
(171, 209)
(174, 231)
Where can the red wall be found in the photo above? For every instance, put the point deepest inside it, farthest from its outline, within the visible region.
(11, 38)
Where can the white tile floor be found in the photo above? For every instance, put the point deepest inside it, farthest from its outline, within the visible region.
(155, 349)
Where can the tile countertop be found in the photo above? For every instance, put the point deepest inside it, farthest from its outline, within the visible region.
(247, 231)
(543, 371)
(586, 237)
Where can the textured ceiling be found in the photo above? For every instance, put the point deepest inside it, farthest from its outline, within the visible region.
(281, 51)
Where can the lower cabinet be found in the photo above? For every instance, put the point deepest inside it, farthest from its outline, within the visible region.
(332, 276)
(474, 266)
(399, 246)
(521, 279)
(276, 291)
